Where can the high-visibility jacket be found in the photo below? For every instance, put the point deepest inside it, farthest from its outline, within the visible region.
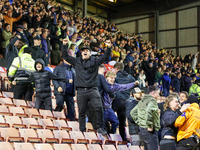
(21, 51)
(21, 68)
(194, 89)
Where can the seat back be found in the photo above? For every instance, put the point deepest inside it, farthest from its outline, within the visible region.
(60, 123)
(19, 102)
(3, 108)
(29, 121)
(60, 134)
(90, 136)
(61, 147)
(76, 135)
(6, 101)
(122, 147)
(43, 147)
(45, 122)
(15, 110)
(79, 147)
(94, 147)
(45, 113)
(5, 145)
(23, 146)
(58, 114)
(9, 132)
(13, 120)
(74, 125)
(30, 112)
(109, 147)
(2, 119)
(116, 137)
(44, 133)
(25, 133)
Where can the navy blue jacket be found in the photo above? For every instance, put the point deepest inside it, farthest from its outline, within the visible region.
(124, 78)
(60, 71)
(176, 83)
(187, 83)
(166, 80)
(133, 127)
(167, 122)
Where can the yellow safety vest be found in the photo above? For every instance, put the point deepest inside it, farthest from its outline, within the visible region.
(22, 67)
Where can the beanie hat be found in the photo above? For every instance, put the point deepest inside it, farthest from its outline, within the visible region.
(6, 24)
(192, 99)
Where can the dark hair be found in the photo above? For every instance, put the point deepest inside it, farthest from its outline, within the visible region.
(28, 50)
(102, 66)
(186, 93)
(119, 66)
(153, 88)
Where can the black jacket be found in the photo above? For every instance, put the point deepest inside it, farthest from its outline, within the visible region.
(176, 83)
(145, 66)
(37, 53)
(86, 70)
(60, 71)
(167, 122)
(133, 127)
(42, 79)
(129, 70)
(124, 78)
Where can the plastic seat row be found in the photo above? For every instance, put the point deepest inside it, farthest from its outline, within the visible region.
(55, 136)
(31, 112)
(29, 146)
(32, 123)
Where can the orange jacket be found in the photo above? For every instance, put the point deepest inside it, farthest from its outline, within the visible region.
(10, 20)
(188, 122)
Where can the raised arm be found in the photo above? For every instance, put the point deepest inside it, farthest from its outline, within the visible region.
(64, 50)
(107, 54)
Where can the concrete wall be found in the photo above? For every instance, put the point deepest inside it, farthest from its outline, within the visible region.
(178, 28)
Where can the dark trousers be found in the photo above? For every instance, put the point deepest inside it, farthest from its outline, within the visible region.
(23, 91)
(43, 100)
(109, 115)
(92, 95)
(150, 139)
(69, 100)
(168, 144)
(119, 105)
(186, 144)
(165, 91)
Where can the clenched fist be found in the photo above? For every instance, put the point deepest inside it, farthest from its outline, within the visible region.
(60, 89)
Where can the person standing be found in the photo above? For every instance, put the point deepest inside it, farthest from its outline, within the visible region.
(146, 115)
(119, 103)
(5, 38)
(63, 91)
(19, 72)
(86, 83)
(44, 44)
(136, 96)
(9, 19)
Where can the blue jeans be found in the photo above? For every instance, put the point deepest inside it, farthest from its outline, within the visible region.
(109, 115)
(47, 59)
(68, 98)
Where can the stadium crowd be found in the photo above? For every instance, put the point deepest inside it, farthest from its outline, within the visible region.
(153, 88)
